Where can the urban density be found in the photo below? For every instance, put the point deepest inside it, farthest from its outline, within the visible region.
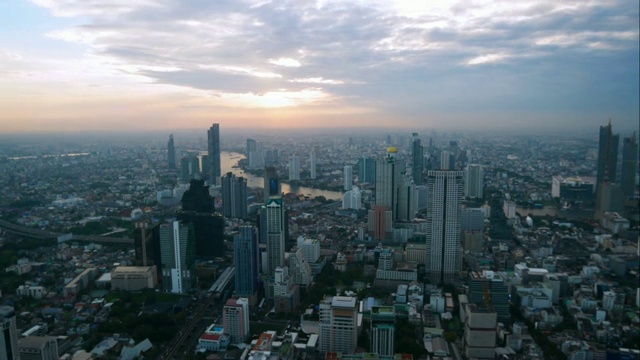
(433, 245)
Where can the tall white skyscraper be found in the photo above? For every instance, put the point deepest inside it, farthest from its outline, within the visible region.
(275, 233)
(294, 167)
(352, 199)
(347, 172)
(177, 251)
(443, 225)
(9, 335)
(338, 324)
(312, 165)
(474, 181)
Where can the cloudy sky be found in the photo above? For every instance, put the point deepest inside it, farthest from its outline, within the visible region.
(128, 65)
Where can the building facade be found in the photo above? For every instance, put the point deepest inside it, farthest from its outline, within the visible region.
(294, 167)
(38, 348)
(629, 166)
(474, 181)
(9, 338)
(234, 196)
(382, 330)
(275, 232)
(417, 160)
(171, 153)
(177, 247)
(338, 325)
(245, 255)
(213, 136)
(235, 319)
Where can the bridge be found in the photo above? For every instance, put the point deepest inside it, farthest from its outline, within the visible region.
(49, 235)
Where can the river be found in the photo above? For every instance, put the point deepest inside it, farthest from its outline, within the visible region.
(229, 159)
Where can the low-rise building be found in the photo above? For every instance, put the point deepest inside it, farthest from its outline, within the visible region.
(132, 278)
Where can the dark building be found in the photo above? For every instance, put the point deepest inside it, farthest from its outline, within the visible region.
(189, 168)
(208, 226)
(367, 170)
(171, 156)
(214, 154)
(234, 196)
(245, 255)
(629, 166)
(607, 155)
(147, 253)
(417, 160)
(271, 182)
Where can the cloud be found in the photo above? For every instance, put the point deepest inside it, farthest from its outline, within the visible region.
(285, 62)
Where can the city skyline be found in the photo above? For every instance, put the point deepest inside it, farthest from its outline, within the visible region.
(114, 66)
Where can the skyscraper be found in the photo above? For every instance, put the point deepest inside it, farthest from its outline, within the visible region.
(245, 255)
(417, 160)
(474, 181)
(197, 209)
(271, 182)
(9, 338)
(338, 325)
(235, 319)
(189, 167)
(275, 229)
(312, 165)
(382, 330)
(177, 248)
(406, 202)
(251, 147)
(171, 153)
(388, 173)
(294, 167)
(446, 160)
(367, 170)
(214, 153)
(607, 155)
(38, 348)
(443, 236)
(347, 172)
(352, 199)
(299, 267)
(234, 196)
(629, 165)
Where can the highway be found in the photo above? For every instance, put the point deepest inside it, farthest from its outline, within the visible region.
(43, 234)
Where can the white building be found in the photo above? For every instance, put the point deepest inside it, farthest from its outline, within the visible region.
(338, 324)
(300, 269)
(235, 317)
(294, 167)
(36, 292)
(312, 164)
(352, 199)
(347, 173)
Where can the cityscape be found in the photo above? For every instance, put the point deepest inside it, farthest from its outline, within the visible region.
(319, 180)
(437, 245)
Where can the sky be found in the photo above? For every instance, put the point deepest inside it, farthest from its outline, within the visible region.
(133, 65)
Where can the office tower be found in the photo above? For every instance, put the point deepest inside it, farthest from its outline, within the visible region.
(310, 249)
(380, 223)
(9, 338)
(388, 140)
(38, 348)
(421, 197)
(479, 332)
(189, 168)
(406, 200)
(251, 147)
(235, 319)
(338, 325)
(275, 231)
(352, 199)
(607, 156)
(472, 219)
(171, 153)
(388, 173)
(245, 256)
(294, 167)
(446, 160)
(367, 170)
(347, 173)
(312, 165)
(214, 153)
(443, 225)
(629, 166)
(474, 181)
(147, 252)
(177, 247)
(271, 182)
(382, 330)
(417, 160)
(208, 226)
(489, 289)
(385, 261)
(299, 267)
(205, 166)
(234, 196)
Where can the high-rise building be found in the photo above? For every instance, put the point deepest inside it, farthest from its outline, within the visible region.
(367, 170)
(171, 153)
(9, 338)
(234, 196)
(189, 168)
(382, 330)
(294, 167)
(446, 160)
(38, 348)
(235, 319)
(489, 289)
(444, 231)
(299, 267)
(312, 165)
(347, 172)
(275, 231)
(252, 145)
(389, 172)
(479, 332)
(406, 202)
(417, 160)
(271, 182)
(607, 156)
(352, 199)
(147, 245)
(629, 166)
(474, 181)
(214, 153)
(380, 223)
(177, 247)
(338, 325)
(245, 255)
(208, 226)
